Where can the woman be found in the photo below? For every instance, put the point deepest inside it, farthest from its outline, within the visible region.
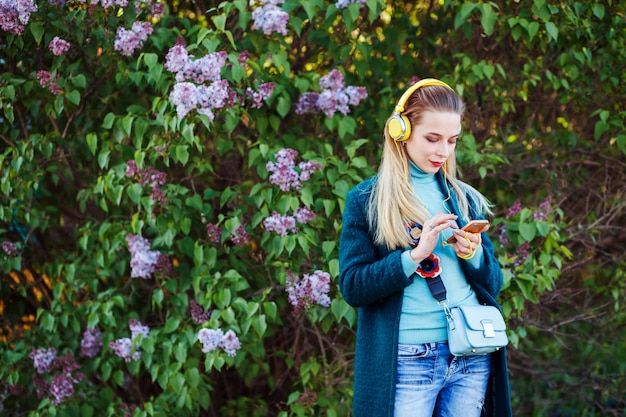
(391, 223)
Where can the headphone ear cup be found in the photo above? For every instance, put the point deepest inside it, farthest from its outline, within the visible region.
(399, 127)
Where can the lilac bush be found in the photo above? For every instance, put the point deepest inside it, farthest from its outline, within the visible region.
(128, 41)
(15, 14)
(174, 145)
(58, 46)
(212, 339)
(143, 260)
(269, 17)
(286, 174)
(334, 96)
(308, 290)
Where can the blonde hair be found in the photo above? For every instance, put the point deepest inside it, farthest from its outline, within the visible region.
(393, 203)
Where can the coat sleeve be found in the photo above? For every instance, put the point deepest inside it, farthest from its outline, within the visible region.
(368, 273)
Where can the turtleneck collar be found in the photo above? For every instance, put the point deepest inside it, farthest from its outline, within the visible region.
(419, 176)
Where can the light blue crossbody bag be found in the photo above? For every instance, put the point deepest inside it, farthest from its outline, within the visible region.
(472, 329)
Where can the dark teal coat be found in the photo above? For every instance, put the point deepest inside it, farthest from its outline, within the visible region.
(371, 278)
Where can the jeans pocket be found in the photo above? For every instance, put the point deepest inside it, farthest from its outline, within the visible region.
(416, 365)
(478, 364)
(412, 352)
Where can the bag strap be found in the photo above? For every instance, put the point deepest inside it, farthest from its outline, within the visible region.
(437, 289)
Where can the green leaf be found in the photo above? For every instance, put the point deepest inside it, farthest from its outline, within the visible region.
(92, 142)
(182, 154)
(73, 96)
(533, 28)
(553, 31)
(284, 105)
(171, 324)
(463, 14)
(79, 80)
(108, 121)
(150, 59)
(134, 191)
(527, 231)
(37, 29)
(488, 18)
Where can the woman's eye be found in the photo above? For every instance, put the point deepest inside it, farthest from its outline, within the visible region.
(431, 139)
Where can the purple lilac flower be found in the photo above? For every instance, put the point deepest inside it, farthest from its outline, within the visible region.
(214, 233)
(334, 97)
(504, 239)
(59, 46)
(282, 225)
(198, 315)
(91, 344)
(544, 209)
(304, 215)
(131, 169)
(152, 7)
(342, 4)
(143, 260)
(307, 168)
(183, 96)
(43, 358)
(107, 3)
(284, 172)
(333, 81)
(521, 255)
(243, 58)
(124, 347)
(45, 79)
(9, 248)
(150, 176)
(163, 265)
(307, 103)
(230, 343)
(514, 209)
(309, 290)
(127, 41)
(176, 58)
(211, 339)
(270, 18)
(137, 329)
(356, 94)
(62, 385)
(202, 70)
(15, 14)
(240, 236)
(265, 92)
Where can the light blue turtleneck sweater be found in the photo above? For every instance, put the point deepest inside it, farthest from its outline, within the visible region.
(422, 319)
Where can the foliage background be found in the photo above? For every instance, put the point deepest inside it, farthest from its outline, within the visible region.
(543, 83)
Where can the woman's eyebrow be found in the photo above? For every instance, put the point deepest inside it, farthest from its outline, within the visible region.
(440, 135)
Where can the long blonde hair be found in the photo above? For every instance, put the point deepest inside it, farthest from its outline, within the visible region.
(393, 203)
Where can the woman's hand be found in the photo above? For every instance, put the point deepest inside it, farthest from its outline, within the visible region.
(430, 236)
(467, 242)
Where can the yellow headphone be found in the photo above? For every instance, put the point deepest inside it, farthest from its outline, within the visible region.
(398, 125)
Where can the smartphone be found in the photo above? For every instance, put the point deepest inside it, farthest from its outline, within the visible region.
(474, 226)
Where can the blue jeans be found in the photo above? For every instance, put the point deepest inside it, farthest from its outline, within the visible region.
(430, 382)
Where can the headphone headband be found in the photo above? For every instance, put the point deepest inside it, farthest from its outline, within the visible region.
(398, 126)
(421, 83)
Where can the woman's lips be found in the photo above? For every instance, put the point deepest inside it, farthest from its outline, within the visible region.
(437, 164)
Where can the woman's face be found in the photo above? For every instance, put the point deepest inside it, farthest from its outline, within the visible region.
(433, 141)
